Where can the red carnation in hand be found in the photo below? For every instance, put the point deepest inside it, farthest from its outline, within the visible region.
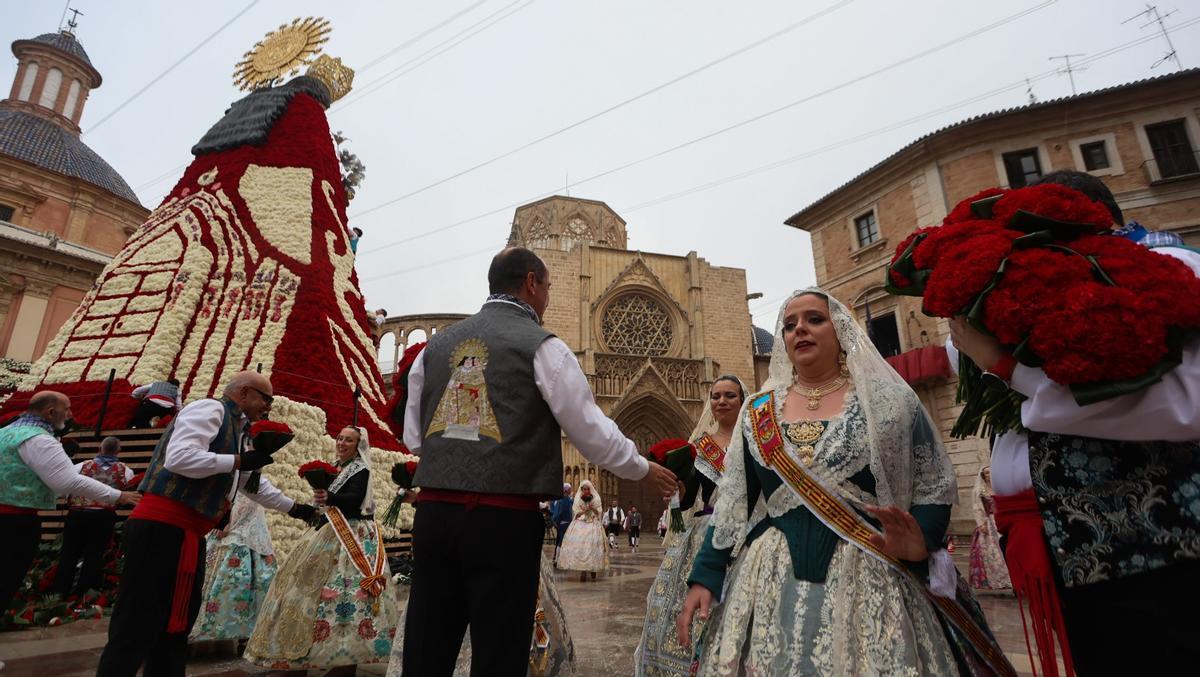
(270, 436)
(676, 455)
(965, 270)
(319, 474)
(411, 467)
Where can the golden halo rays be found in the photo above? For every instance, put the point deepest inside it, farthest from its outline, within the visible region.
(281, 53)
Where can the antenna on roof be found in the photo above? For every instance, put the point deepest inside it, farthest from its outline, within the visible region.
(73, 22)
(1151, 13)
(1069, 69)
(567, 182)
(1029, 91)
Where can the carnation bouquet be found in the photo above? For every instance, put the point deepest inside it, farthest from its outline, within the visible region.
(270, 436)
(402, 475)
(318, 474)
(1038, 268)
(678, 456)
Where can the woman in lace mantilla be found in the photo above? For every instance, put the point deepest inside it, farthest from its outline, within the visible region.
(332, 603)
(659, 651)
(584, 548)
(795, 597)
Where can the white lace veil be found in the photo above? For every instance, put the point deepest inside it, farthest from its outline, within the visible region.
(577, 506)
(364, 458)
(905, 473)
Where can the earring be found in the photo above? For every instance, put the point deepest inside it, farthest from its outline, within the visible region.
(842, 364)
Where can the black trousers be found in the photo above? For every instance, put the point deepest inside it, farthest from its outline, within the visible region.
(1141, 625)
(85, 536)
(475, 567)
(634, 534)
(20, 535)
(137, 633)
(145, 411)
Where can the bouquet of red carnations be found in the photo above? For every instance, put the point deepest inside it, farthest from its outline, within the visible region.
(678, 456)
(270, 436)
(402, 475)
(318, 474)
(1037, 268)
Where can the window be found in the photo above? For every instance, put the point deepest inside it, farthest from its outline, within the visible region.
(1172, 150)
(884, 334)
(6, 213)
(637, 324)
(31, 72)
(50, 88)
(1095, 156)
(1022, 167)
(72, 98)
(866, 228)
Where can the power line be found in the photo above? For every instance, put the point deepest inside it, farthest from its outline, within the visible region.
(383, 80)
(1024, 82)
(172, 67)
(617, 106)
(416, 38)
(732, 127)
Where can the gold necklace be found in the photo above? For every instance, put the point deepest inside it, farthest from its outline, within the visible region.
(804, 434)
(814, 395)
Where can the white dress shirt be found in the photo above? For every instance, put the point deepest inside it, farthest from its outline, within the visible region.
(565, 389)
(45, 456)
(1165, 411)
(187, 453)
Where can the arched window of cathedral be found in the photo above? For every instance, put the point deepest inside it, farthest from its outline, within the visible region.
(577, 230)
(31, 72)
(539, 236)
(637, 324)
(50, 88)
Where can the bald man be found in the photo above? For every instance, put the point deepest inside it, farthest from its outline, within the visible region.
(201, 464)
(34, 471)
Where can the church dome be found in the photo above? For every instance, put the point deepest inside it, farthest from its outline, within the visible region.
(40, 142)
(66, 42)
(761, 340)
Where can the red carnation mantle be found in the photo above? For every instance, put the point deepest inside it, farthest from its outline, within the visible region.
(1035, 268)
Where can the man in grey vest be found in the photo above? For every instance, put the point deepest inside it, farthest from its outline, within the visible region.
(490, 399)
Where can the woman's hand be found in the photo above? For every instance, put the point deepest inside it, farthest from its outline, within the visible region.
(320, 496)
(699, 598)
(902, 537)
(983, 349)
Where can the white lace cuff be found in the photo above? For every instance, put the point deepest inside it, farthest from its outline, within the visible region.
(943, 579)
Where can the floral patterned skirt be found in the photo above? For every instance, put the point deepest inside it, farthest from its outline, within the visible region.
(988, 569)
(236, 580)
(659, 652)
(317, 616)
(865, 619)
(584, 547)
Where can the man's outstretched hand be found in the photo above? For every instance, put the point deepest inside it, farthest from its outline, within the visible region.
(303, 512)
(660, 481)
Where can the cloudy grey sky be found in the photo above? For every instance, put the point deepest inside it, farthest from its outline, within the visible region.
(444, 86)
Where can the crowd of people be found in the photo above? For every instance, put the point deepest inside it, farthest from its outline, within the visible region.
(814, 532)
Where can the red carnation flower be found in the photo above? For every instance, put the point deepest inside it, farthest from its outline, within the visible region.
(965, 270)
(317, 465)
(270, 436)
(318, 474)
(675, 455)
(269, 426)
(411, 467)
(928, 254)
(1056, 202)
(962, 210)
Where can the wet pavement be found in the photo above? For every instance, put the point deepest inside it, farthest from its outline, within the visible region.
(605, 619)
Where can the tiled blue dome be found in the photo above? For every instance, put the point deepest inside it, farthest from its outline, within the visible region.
(40, 142)
(67, 43)
(762, 341)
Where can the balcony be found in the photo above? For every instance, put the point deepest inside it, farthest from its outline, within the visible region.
(1172, 166)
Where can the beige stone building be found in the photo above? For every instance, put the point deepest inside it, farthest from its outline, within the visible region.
(63, 210)
(651, 331)
(1141, 138)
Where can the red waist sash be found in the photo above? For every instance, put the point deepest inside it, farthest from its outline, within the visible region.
(154, 508)
(1028, 559)
(17, 510)
(473, 498)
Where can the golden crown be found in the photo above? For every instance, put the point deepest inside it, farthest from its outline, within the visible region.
(336, 77)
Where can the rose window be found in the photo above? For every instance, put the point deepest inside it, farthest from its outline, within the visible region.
(636, 324)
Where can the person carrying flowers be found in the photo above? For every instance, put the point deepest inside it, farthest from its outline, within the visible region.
(1080, 349)
(331, 604)
(202, 462)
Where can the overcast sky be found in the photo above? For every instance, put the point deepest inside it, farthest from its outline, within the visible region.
(459, 82)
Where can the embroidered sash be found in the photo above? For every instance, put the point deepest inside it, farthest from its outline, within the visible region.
(710, 457)
(373, 581)
(851, 527)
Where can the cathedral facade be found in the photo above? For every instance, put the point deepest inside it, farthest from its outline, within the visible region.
(652, 331)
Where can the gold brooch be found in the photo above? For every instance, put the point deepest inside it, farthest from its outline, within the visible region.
(804, 435)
